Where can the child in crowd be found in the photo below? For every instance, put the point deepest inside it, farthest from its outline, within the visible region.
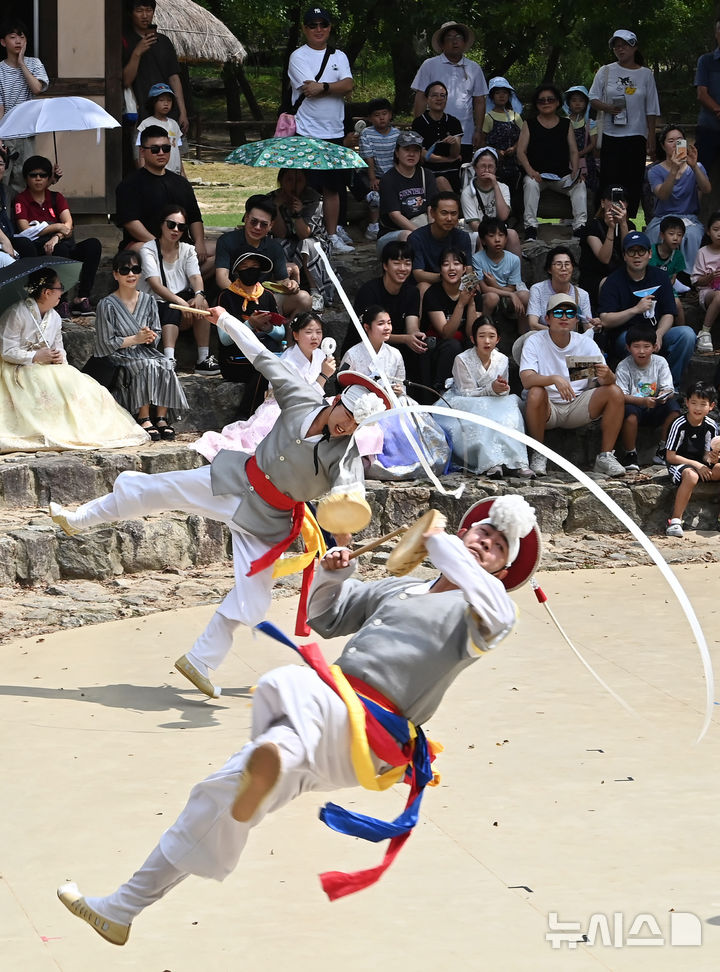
(377, 144)
(646, 382)
(577, 108)
(706, 275)
(501, 129)
(499, 273)
(160, 102)
(690, 453)
(21, 79)
(480, 386)
(666, 253)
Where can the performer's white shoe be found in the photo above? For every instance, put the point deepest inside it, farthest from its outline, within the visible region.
(111, 931)
(194, 675)
(261, 774)
(59, 515)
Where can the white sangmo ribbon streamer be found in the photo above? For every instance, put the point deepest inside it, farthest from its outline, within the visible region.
(632, 527)
(397, 407)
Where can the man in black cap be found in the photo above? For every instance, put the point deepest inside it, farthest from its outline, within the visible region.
(320, 77)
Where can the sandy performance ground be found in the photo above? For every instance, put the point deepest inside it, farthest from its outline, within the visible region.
(553, 801)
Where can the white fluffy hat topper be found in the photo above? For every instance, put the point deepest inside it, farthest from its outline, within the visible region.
(515, 519)
(362, 396)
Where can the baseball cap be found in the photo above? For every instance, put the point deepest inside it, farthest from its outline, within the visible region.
(408, 139)
(159, 89)
(316, 13)
(626, 35)
(636, 239)
(560, 300)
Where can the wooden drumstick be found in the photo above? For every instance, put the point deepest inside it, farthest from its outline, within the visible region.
(376, 543)
(189, 310)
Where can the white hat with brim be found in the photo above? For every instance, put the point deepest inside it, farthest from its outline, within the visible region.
(436, 42)
(355, 387)
(626, 35)
(500, 82)
(560, 300)
(525, 551)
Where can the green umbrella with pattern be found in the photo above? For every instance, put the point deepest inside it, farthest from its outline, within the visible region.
(296, 152)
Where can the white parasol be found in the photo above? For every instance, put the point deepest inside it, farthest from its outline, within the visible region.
(70, 114)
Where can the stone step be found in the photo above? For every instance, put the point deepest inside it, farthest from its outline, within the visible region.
(33, 480)
(33, 551)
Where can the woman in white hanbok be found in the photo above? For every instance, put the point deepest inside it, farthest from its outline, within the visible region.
(480, 386)
(45, 403)
(306, 358)
(387, 453)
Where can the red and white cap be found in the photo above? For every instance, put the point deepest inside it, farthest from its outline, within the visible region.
(512, 516)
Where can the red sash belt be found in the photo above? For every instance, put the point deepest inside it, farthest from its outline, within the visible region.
(267, 491)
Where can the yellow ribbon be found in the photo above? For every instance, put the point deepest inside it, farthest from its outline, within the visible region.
(315, 546)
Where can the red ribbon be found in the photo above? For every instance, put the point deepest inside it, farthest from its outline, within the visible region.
(267, 491)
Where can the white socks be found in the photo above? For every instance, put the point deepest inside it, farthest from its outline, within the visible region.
(169, 352)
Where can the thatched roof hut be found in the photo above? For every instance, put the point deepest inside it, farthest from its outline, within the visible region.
(196, 34)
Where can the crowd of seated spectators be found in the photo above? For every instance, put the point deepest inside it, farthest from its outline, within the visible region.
(450, 201)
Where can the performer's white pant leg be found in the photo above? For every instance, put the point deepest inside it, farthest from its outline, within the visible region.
(140, 494)
(151, 882)
(247, 603)
(309, 723)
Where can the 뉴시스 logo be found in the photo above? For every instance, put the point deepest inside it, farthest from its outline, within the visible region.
(682, 928)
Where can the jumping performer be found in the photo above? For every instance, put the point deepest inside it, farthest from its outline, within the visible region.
(307, 455)
(354, 723)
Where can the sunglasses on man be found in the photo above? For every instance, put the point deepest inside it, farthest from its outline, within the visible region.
(559, 312)
(157, 149)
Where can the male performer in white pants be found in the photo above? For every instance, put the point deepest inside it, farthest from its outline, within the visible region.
(411, 639)
(306, 455)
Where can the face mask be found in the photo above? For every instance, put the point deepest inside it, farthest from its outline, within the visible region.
(250, 276)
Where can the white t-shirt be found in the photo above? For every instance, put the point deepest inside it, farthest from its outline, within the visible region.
(540, 294)
(464, 81)
(174, 137)
(177, 275)
(641, 97)
(318, 117)
(471, 204)
(645, 382)
(541, 354)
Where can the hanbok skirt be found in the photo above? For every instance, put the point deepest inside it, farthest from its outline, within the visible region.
(52, 407)
(476, 448)
(392, 456)
(243, 436)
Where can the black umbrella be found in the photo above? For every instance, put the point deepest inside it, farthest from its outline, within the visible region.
(14, 278)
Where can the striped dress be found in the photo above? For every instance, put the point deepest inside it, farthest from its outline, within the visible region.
(151, 377)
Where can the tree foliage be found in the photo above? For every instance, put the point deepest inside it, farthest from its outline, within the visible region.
(563, 40)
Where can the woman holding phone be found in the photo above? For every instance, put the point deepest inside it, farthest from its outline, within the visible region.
(601, 247)
(677, 182)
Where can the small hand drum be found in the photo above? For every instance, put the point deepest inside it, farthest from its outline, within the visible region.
(410, 550)
(343, 512)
